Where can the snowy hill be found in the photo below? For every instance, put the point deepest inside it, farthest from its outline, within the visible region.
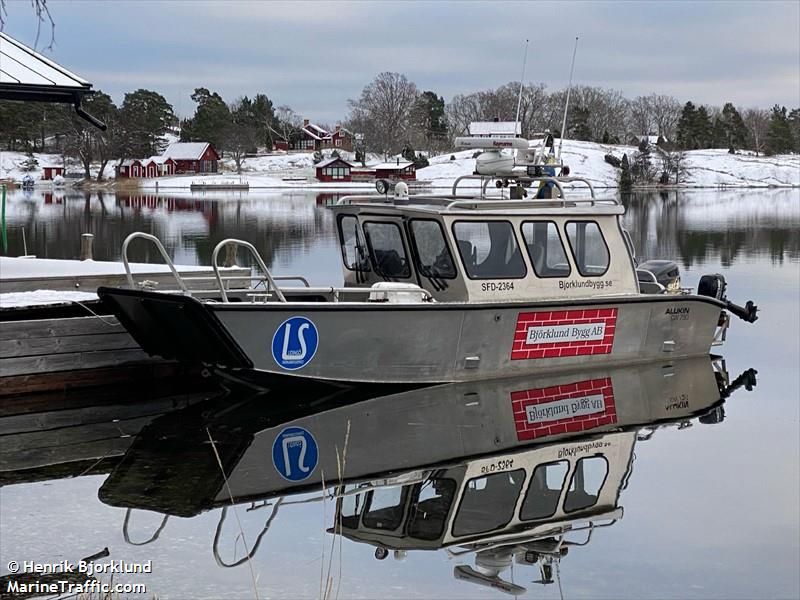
(704, 168)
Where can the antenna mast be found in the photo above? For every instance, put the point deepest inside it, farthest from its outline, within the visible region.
(566, 105)
(521, 85)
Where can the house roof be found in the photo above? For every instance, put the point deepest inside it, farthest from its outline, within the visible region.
(331, 160)
(22, 65)
(495, 128)
(128, 162)
(392, 165)
(185, 150)
(320, 130)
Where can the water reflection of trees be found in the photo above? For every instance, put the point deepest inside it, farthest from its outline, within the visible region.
(694, 227)
(709, 226)
(189, 227)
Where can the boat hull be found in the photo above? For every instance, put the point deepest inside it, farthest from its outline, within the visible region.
(418, 343)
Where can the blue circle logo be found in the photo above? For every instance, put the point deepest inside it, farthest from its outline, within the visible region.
(295, 343)
(295, 454)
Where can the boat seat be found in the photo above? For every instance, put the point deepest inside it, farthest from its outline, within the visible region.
(468, 254)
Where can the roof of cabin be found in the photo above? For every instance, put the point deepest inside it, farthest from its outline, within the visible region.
(331, 160)
(185, 150)
(392, 165)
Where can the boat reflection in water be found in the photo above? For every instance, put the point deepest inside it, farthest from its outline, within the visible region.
(498, 472)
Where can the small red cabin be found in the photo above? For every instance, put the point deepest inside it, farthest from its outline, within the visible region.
(400, 169)
(334, 169)
(193, 157)
(51, 173)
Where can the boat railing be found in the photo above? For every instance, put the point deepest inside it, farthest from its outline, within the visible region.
(252, 249)
(161, 249)
(556, 181)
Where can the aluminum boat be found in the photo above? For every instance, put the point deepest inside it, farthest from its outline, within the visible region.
(442, 288)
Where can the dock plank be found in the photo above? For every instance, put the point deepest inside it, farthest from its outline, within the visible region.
(70, 361)
(62, 345)
(50, 328)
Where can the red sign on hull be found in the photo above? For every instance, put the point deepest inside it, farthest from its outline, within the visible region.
(553, 334)
(569, 408)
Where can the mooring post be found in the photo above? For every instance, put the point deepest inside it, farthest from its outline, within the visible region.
(230, 255)
(86, 246)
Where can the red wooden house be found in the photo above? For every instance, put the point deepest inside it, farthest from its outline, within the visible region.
(193, 157)
(334, 169)
(400, 169)
(51, 173)
(342, 139)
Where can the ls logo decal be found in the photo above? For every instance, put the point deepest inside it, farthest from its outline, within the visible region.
(295, 343)
(295, 454)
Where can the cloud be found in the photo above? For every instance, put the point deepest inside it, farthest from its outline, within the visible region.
(315, 55)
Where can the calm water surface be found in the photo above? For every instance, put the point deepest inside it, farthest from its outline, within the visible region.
(700, 499)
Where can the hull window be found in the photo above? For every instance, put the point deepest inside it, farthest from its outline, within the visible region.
(435, 260)
(489, 250)
(588, 247)
(544, 491)
(587, 481)
(488, 502)
(388, 254)
(545, 249)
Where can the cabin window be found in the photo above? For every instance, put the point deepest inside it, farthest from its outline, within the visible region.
(354, 250)
(488, 502)
(545, 249)
(388, 253)
(433, 255)
(384, 509)
(430, 509)
(544, 490)
(489, 250)
(588, 247)
(587, 481)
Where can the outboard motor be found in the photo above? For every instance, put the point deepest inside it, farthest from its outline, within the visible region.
(666, 273)
(714, 286)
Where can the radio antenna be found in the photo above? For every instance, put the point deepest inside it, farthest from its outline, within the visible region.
(521, 85)
(566, 104)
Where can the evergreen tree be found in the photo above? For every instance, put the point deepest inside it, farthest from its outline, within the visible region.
(794, 125)
(686, 127)
(429, 118)
(703, 128)
(625, 180)
(735, 133)
(145, 116)
(211, 120)
(580, 124)
(779, 133)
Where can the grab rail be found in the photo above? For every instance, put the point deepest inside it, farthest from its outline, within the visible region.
(254, 549)
(152, 538)
(161, 249)
(259, 260)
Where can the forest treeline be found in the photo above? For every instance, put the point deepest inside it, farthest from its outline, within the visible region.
(393, 115)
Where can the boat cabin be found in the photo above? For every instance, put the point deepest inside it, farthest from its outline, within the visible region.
(487, 250)
(528, 494)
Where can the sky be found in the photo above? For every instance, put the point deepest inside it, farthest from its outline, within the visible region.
(314, 56)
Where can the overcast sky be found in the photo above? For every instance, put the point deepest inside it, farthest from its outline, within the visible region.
(314, 56)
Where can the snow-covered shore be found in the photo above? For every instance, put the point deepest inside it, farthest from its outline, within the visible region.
(703, 169)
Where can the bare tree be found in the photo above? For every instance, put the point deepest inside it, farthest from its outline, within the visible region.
(666, 111)
(383, 111)
(757, 122)
(43, 17)
(642, 119)
(287, 123)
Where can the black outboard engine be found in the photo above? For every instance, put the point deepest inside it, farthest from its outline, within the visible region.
(714, 286)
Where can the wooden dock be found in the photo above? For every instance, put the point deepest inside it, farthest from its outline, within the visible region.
(51, 341)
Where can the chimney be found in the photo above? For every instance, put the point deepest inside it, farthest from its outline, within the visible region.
(398, 161)
(338, 127)
(305, 122)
